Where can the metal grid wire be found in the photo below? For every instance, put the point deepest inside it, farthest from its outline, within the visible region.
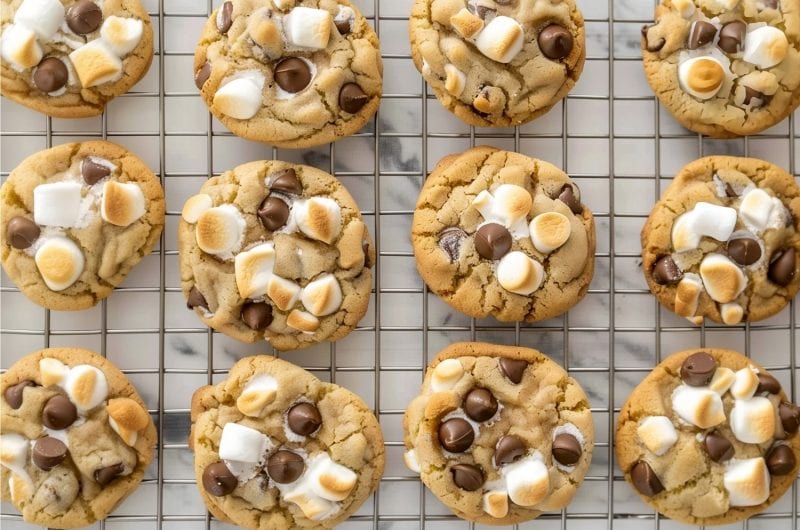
(610, 135)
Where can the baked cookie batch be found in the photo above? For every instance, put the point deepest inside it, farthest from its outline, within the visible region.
(278, 252)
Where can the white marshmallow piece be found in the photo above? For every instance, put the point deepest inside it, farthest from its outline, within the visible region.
(518, 273)
(123, 203)
(319, 218)
(241, 97)
(753, 420)
(259, 392)
(283, 293)
(745, 383)
(712, 220)
(410, 458)
(684, 236)
(96, 64)
(507, 205)
(323, 296)
(550, 231)
(495, 503)
(687, 295)
(765, 47)
(121, 34)
(302, 321)
(658, 434)
(702, 77)
(722, 380)
(253, 270)
(723, 280)
(60, 262)
(732, 314)
(52, 371)
(57, 204)
(698, 406)
(307, 27)
(86, 386)
(20, 48)
(747, 482)
(14, 450)
(195, 206)
(243, 444)
(330, 480)
(685, 7)
(501, 40)
(756, 208)
(220, 231)
(43, 17)
(456, 80)
(313, 506)
(446, 375)
(528, 481)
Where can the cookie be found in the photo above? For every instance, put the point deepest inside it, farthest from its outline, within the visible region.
(725, 68)
(722, 243)
(499, 434)
(277, 448)
(290, 73)
(76, 437)
(709, 438)
(498, 63)
(75, 220)
(278, 252)
(69, 58)
(498, 233)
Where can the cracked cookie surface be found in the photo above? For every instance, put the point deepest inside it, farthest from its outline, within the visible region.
(498, 233)
(498, 63)
(725, 68)
(709, 438)
(277, 448)
(499, 434)
(76, 437)
(722, 242)
(290, 73)
(75, 220)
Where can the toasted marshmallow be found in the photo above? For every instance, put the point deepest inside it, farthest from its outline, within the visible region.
(466, 24)
(549, 231)
(446, 375)
(501, 40)
(658, 434)
(57, 204)
(308, 27)
(519, 273)
(220, 231)
(330, 480)
(52, 371)
(456, 80)
(243, 444)
(60, 262)
(313, 506)
(323, 296)
(687, 295)
(507, 205)
(43, 17)
(122, 35)
(702, 77)
(241, 97)
(753, 420)
(698, 406)
(14, 450)
(283, 293)
(123, 203)
(20, 47)
(410, 458)
(257, 394)
(722, 380)
(86, 386)
(319, 218)
(96, 64)
(528, 481)
(686, 8)
(747, 482)
(756, 209)
(253, 270)
(284, 4)
(745, 383)
(126, 417)
(723, 280)
(265, 32)
(765, 47)
(302, 321)
(732, 314)
(495, 503)
(195, 207)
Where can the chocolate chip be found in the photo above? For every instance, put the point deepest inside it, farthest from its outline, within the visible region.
(751, 93)
(48, 452)
(450, 240)
(59, 413)
(225, 17)
(287, 182)
(22, 232)
(467, 477)
(14, 394)
(480, 404)
(513, 369)
(257, 316)
(768, 383)
(780, 460)
(93, 172)
(493, 241)
(655, 47)
(701, 33)
(481, 12)
(84, 16)
(218, 480)
(50, 75)
(731, 36)
(567, 449)
(352, 98)
(196, 299)
(790, 417)
(555, 42)
(508, 449)
(698, 369)
(367, 259)
(744, 251)
(729, 191)
(666, 271)
(344, 26)
(202, 75)
(106, 475)
(284, 467)
(568, 196)
(782, 269)
(718, 447)
(273, 213)
(645, 479)
(292, 74)
(456, 435)
(304, 419)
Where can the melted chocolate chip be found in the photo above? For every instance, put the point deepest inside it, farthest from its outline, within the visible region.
(352, 98)
(343, 26)
(513, 369)
(480, 404)
(450, 240)
(701, 33)
(645, 479)
(568, 196)
(292, 74)
(555, 41)
(196, 299)
(218, 480)
(698, 369)
(14, 394)
(106, 475)
(225, 18)
(790, 417)
(456, 435)
(48, 452)
(729, 191)
(287, 182)
(768, 383)
(202, 75)
(92, 172)
(780, 460)
(718, 447)
(22, 232)
(666, 271)
(567, 449)
(744, 251)
(782, 268)
(467, 477)
(59, 413)
(751, 93)
(284, 467)
(493, 241)
(257, 316)
(51, 75)
(304, 419)
(84, 16)
(731, 36)
(508, 449)
(273, 213)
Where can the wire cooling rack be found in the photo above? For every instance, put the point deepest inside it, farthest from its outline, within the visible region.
(610, 135)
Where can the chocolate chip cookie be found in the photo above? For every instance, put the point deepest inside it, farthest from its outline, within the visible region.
(75, 220)
(725, 68)
(277, 448)
(709, 438)
(722, 243)
(290, 73)
(498, 63)
(278, 252)
(76, 437)
(69, 58)
(499, 434)
(498, 233)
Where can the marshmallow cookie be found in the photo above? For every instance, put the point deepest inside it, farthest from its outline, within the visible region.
(68, 58)
(709, 438)
(75, 220)
(722, 243)
(499, 434)
(277, 252)
(277, 448)
(498, 233)
(498, 63)
(76, 437)
(291, 73)
(725, 68)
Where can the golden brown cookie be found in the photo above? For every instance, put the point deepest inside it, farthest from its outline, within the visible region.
(708, 438)
(76, 437)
